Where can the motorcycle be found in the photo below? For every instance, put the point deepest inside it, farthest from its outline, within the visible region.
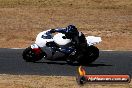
(45, 44)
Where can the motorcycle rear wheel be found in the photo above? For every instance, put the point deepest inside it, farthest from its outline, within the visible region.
(30, 56)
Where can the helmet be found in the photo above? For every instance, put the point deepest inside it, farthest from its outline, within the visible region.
(71, 29)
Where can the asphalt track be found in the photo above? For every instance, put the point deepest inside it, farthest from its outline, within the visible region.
(109, 62)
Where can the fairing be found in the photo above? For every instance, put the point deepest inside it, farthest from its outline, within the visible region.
(92, 40)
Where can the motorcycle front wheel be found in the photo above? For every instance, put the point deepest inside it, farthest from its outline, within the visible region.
(92, 53)
(29, 55)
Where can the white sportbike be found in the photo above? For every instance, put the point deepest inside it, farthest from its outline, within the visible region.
(44, 48)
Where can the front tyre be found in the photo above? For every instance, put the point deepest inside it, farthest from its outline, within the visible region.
(93, 53)
(32, 55)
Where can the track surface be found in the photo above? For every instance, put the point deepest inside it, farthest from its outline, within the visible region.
(109, 62)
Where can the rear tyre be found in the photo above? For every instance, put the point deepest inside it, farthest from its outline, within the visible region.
(90, 56)
(29, 55)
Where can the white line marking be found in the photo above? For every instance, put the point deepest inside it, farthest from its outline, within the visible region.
(108, 50)
(16, 48)
(115, 50)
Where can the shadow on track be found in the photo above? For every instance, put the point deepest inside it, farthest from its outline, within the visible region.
(98, 65)
(74, 64)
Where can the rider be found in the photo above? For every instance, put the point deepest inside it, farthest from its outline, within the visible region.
(77, 38)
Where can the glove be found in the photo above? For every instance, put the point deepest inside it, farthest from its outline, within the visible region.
(52, 30)
(68, 36)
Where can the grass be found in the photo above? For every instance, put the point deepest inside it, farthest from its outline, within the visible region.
(25, 81)
(97, 4)
(20, 25)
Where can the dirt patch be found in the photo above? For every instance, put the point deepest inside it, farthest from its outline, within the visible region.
(19, 26)
(22, 20)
